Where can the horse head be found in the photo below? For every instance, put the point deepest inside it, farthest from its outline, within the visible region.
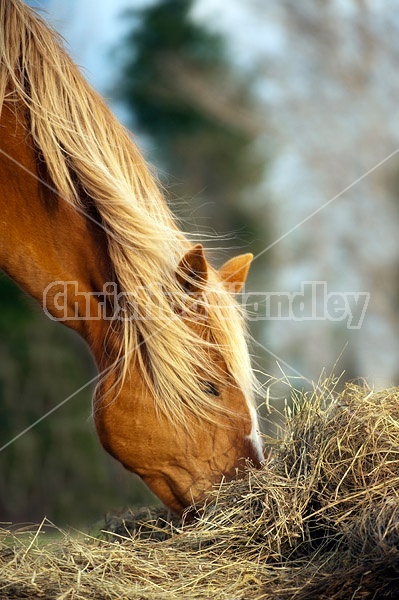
(181, 458)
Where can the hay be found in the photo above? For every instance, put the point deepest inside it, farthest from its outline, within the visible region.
(319, 521)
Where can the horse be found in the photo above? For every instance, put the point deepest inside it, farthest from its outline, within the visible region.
(175, 398)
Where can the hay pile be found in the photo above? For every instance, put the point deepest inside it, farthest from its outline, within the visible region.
(320, 521)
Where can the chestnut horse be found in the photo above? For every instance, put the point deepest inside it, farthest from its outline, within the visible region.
(78, 204)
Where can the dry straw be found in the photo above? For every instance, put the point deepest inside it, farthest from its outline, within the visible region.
(320, 521)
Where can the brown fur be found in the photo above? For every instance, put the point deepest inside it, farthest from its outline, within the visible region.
(97, 215)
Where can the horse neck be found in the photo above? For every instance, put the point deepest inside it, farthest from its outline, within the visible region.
(44, 239)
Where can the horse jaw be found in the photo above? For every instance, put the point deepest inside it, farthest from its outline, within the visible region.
(179, 464)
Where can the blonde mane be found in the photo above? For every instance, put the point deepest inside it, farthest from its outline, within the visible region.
(85, 148)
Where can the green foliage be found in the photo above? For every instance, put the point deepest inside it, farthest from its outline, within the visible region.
(166, 32)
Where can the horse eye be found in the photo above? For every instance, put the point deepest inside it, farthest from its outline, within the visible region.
(210, 388)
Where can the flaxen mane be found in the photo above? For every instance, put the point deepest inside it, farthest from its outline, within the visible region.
(85, 148)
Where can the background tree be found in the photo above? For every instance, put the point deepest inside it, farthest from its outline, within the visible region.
(182, 92)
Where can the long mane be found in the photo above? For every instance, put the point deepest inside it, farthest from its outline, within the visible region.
(86, 149)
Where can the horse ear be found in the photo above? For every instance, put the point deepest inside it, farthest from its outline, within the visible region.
(234, 272)
(192, 271)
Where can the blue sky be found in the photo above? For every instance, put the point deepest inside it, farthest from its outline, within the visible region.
(91, 28)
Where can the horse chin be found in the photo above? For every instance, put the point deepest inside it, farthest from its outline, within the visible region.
(177, 496)
(185, 490)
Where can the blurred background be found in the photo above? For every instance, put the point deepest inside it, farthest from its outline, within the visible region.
(274, 129)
